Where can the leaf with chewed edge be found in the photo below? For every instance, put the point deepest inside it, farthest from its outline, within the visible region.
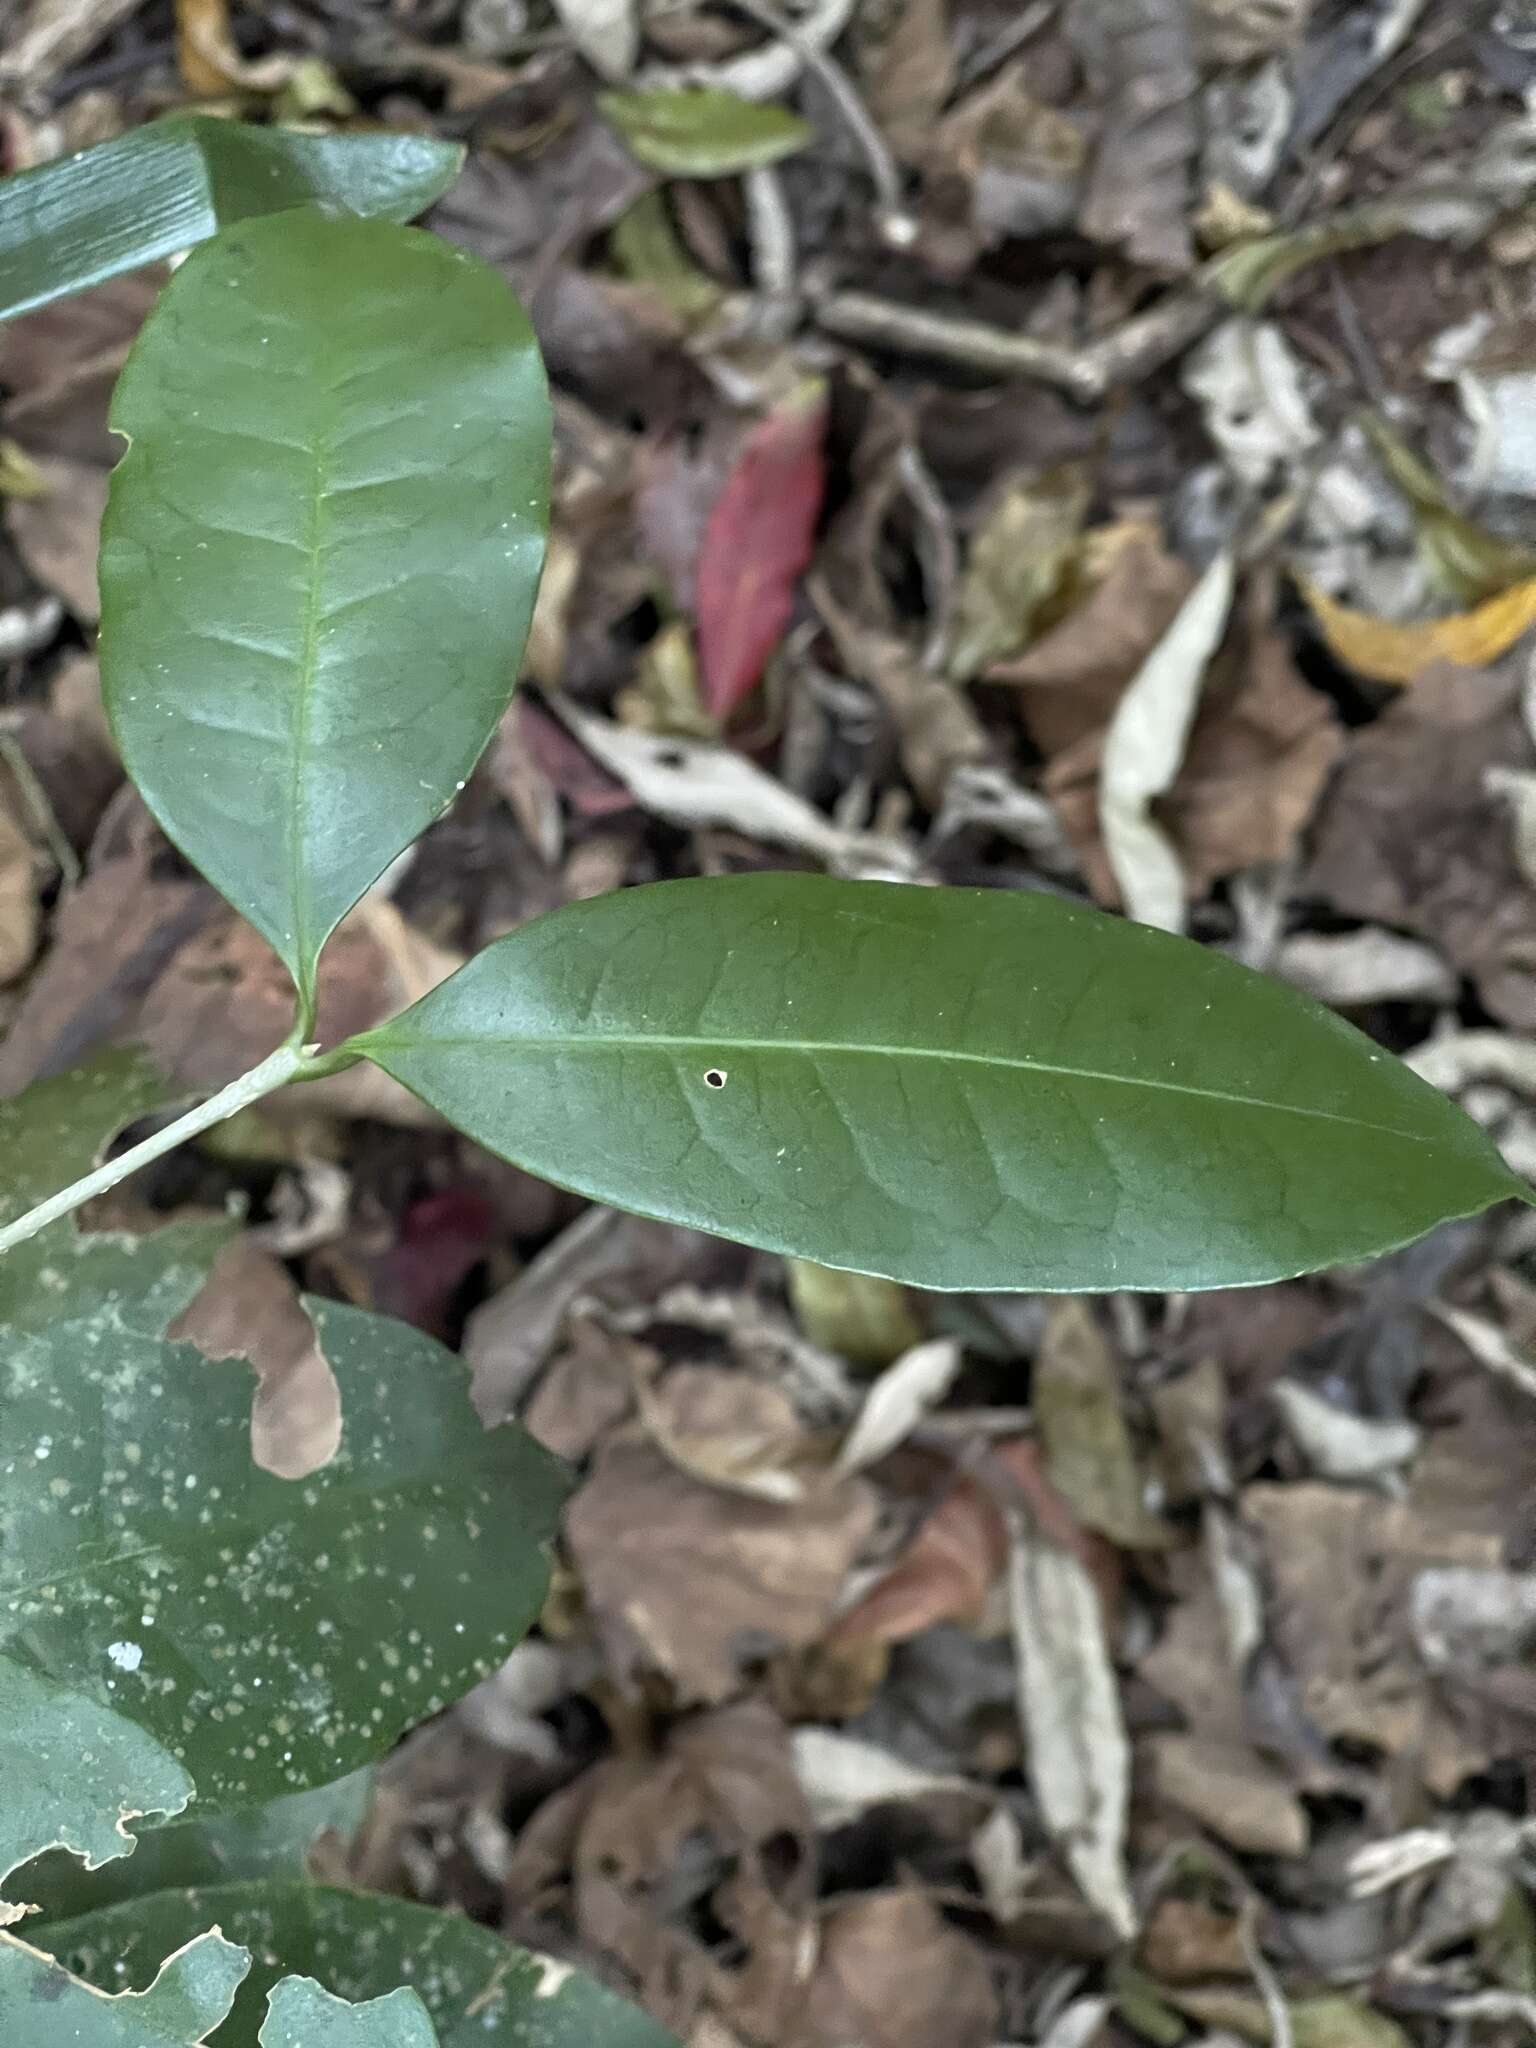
(43, 2006)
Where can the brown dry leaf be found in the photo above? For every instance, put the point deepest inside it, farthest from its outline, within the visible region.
(893, 1973)
(947, 1570)
(1088, 1449)
(716, 1821)
(60, 363)
(1263, 743)
(225, 1001)
(19, 914)
(1243, 31)
(907, 67)
(1409, 834)
(112, 936)
(56, 533)
(1391, 653)
(203, 37)
(1140, 59)
(936, 728)
(249, 1308)
(729, 1430)
(1343, 1565)
(1212, 1770)
(690, 1580)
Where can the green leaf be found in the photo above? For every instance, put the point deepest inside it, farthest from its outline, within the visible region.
(957, 1088)
(698, 132)
(43, 2006)
(479, 1991)
(302, 2014)
(70, 223)
(273, 1840)
(265, 1634)
(53, 1133)
(320, 554)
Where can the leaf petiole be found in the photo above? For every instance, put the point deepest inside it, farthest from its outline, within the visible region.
(290, 1062)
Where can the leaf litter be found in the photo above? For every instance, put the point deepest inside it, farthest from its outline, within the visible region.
(1083, 448)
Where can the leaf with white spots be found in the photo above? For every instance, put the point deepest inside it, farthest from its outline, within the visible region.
(43, 2006)
(303, 2014)
(479, 1991)
(277, 1839)
(263, 1634)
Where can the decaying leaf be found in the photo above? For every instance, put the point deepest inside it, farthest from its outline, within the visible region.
(1088, 1449)
(1390, 653)
(1141, 56)
(866, 1319)
(1019, 558)
(18, 897)
(893, 1974)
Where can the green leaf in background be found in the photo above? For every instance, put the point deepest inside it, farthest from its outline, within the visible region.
(320, 554)
(957, 1088)
(68, 224)
(54, 1132)
(302, 2014)
(479, 1990)
(699, 132)
(266, 1634)
(273, 1840)
(43, 2006)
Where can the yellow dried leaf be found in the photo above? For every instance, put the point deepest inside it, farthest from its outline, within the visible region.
(1400, 654)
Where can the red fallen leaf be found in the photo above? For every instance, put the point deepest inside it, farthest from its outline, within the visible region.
(945, 1572)
(758, 540)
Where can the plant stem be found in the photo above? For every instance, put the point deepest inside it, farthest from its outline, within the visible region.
(284, 1065)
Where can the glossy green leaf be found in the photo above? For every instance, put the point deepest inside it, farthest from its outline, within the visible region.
(43, 2006)
(956, 1088)
(320, 553)
(699, 132)
(273, 1840)
(303, 2014)
(263, 1634)
(51, 1134)
(479, 1991)
(68, 224)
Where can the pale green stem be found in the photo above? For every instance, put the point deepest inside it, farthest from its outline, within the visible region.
(282, 1066)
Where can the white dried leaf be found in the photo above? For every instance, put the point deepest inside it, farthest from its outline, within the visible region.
(606, 32)
(1459, 1058)
(1372, 965)
(1488, 1344)
(1079, 2023)
(1246, 379)
(767, 72)
(1340, 1445)
(1466, 1616)
(693, 783)
(897, 1402)
(1378, 1866)
(1069, 1707)
(843, 1777)
(1144, 750)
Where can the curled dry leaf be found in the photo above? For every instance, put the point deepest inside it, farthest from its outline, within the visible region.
(757, 542)
(1391, 653)
(1078, 1757)
(1340, 1445)
(1144, 746)
(1019, 559)
(898, 1401)
(1088, 1449)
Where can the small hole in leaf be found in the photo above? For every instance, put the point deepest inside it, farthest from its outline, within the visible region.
(715, 1078)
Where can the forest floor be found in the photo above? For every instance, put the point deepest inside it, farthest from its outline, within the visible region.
(882, 470)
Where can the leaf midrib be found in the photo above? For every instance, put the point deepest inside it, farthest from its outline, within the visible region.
(386, 1040)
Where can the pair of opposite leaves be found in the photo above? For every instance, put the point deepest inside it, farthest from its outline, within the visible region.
(318, 567)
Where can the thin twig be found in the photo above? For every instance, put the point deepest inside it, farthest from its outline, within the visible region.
(895, 223)
(1132, 350)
